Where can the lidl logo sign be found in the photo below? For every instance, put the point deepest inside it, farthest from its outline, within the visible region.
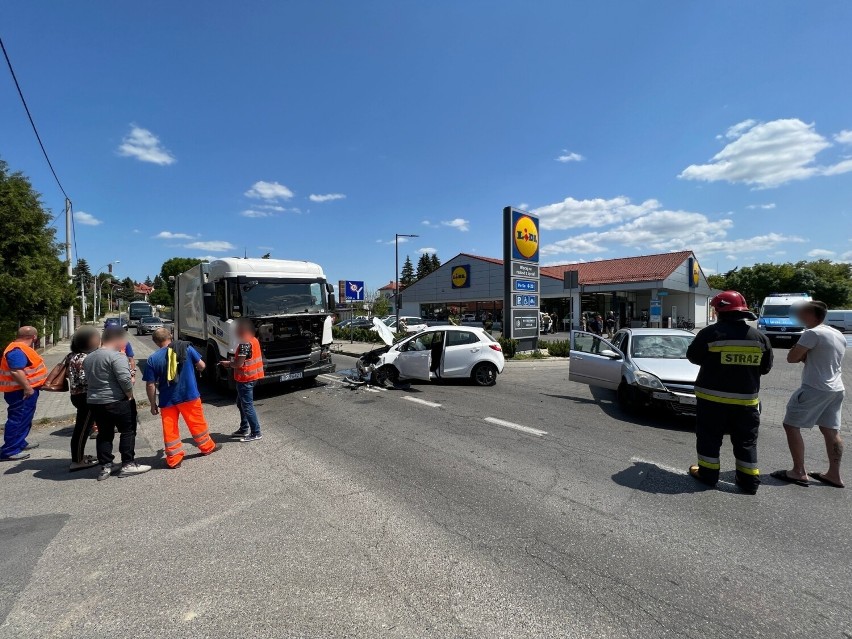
(524, 237)
(461, 276)
(694, 273)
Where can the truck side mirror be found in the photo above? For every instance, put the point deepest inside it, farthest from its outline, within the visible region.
(330, 290)
(209, 294)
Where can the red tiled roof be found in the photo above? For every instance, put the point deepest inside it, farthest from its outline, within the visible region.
(643, 268)
(390, 286)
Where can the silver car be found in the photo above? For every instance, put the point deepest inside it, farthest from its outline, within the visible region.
(645, 366)
(148, 325)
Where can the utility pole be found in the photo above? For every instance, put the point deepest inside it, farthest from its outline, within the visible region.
(68, 260)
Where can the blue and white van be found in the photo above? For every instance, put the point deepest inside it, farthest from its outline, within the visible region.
(777, 318)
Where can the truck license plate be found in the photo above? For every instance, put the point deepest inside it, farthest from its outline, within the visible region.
(664, 396)
(286, 377)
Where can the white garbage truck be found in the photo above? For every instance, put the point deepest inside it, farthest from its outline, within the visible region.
(289, 303)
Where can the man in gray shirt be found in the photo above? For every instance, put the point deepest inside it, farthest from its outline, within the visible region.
(110, 398)
(819, 400)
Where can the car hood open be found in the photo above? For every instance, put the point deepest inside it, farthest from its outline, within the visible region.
(672, 370)
(384, 332)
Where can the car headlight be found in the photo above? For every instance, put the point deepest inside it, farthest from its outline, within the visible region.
(649, 381)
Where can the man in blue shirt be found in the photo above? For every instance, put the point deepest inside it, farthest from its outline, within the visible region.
(171, 370)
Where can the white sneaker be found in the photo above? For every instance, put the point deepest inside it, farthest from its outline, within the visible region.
(132, 468)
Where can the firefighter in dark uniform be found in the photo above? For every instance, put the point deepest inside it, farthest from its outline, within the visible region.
(732, 356)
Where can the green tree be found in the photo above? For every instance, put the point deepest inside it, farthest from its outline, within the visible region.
(33, 278)
(424, 266)
(830, 282)
(161, 297)
(381, 306)
(174, 267)
(435, 262)
(717, 281)
(149, 281)
(407, 274)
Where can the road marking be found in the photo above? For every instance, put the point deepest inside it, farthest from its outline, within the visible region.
(514, 426)
(421, 401)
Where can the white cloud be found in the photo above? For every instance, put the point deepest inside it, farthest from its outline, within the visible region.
(571, 213)
(251, 213)
(86, 219)
(216, 246)
(145, 146)
(523, 206)
(269, 191)
(844, 137)
(821, 253)
(458, 223)
(647, 227)
(738, 129)
(168, 235)
(271, 207)
(328, 197)
(427, 249)
(569, 156)
(768, 154)
(764, 207)
(136, 231)
(206, 258)
(392, 241)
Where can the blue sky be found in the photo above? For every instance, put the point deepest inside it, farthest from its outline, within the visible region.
(317, 130)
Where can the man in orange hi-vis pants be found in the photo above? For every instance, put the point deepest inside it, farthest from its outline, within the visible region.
(171, 370)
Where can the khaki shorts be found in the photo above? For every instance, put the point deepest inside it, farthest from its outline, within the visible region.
(809, 407)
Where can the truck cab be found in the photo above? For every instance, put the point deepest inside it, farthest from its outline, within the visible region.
(289, 303)
(777, 317)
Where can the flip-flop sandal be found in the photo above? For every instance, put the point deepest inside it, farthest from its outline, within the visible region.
(783, 476)
(821, 478)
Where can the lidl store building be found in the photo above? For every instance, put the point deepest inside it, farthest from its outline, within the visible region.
(629, 287)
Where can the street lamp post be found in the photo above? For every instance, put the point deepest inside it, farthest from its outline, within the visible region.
(396, 274)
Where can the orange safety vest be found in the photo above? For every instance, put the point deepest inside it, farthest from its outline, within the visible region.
(252, 369)
(36, 372)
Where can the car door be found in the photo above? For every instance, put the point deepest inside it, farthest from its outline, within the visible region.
(415, 357)
(461, 350)
(594, 361)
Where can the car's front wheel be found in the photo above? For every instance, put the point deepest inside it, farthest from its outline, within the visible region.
(484, 374)
(385, 374)
(626, 397)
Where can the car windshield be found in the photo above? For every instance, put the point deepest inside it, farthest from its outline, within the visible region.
(776, 310)
(272, 298)
(150, 320)
(660, 346)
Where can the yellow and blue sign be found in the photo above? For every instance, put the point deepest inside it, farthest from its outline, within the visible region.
(694, 272)
(525, 237)
(461, 276)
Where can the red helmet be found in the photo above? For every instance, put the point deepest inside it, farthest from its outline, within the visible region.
(728, 302)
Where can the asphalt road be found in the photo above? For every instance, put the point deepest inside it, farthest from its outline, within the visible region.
(426, 513)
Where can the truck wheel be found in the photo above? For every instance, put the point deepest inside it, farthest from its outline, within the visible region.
(211, 372)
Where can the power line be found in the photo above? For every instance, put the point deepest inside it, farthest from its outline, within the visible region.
(32, 123)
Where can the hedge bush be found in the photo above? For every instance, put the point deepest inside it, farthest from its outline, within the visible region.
(509, 346)
(359, 335)
(559, 348)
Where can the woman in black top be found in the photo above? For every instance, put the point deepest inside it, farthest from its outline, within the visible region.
(83, 342)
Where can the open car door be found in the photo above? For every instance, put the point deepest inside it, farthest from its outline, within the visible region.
(415, 357)
(594, 361)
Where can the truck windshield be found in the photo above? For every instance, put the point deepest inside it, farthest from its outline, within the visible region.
(776, 310)
(281, 298)
(140, 309)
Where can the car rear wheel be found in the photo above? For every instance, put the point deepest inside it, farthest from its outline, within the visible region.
(484, 374)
